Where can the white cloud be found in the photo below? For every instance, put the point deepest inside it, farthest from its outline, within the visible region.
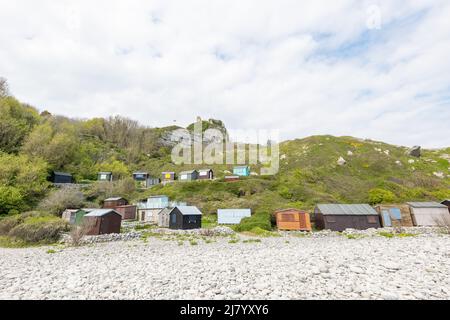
(303, 68)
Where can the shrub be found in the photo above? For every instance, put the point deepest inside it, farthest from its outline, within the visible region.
(102, 190)
(40, 229)
(258, 220)
(10, 199)
(377, 196)
(62, 199)
(8, 223)
(78, 232)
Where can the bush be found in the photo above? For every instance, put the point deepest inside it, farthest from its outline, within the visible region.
(39, 229)
(103, 190)
(10, 199)
(377, 196)
(62, 199)
(78, 232)
(8, 223)
(258, 220)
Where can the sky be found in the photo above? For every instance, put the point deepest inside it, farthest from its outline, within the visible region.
(369, 69)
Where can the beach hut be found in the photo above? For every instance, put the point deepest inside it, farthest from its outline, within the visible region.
(152, 182)
(338, 217)
(112, 203)
(164, 218)
(205, 174)
(242, 171)
(61, 177)
(158, 202)
(105, 176)
(69, 215)
(188, 175)
(395, 215)
(232, 216)
(144, 180)
(185, 217)
(148, 210)
(145, 214)
(429, 213)
(128, 212)
(103, 221)
(293, 219)
(168, 176)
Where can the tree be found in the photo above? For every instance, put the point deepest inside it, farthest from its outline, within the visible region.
(118, 168)
(24, 180)
(11, 200)
(16, 122)
(57, 148)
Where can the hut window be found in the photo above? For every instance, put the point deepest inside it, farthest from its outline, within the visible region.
(331, 219)
(372, 219)
(396, 214)
(287, 217)
(192, 219)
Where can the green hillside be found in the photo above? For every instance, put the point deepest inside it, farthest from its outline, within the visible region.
(33, 143)
(309, 174)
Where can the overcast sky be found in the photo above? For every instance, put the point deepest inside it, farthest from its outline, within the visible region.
(368, 69)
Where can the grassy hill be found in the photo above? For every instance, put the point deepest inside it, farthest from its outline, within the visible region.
(309, 174)
(33, 144)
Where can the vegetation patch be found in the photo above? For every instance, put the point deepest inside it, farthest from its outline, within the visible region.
(143, 227)
(252, 241)
(262, 233)
(32, 228)
(258, 221)
(395, 235)
(354, 236)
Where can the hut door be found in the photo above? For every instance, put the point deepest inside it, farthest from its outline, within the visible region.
(386, 219)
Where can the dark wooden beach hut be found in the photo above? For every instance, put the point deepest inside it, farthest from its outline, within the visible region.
(103, 221)
(61, 177)
(185, 217)
(338, 217)
(112, 203)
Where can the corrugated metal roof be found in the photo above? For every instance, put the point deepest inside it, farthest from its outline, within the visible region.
(346, 209)
(426, 205)
(140, 172)
(187, 172)
(100, 212)
(105, 172)
(289, 209)
(189, 210)
(59, 173)
(203, 170)
(114, 199)
(238, 211)
(167, 172)
(241, 167)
